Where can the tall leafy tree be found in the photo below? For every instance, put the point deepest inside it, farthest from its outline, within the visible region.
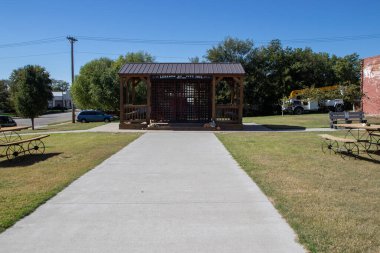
(134, 57)
(4, 96)
(60, 86)
(97, 85)
(231, 50)
(30, 91)
(273, 71)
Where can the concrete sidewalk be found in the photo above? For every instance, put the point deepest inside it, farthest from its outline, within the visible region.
(165, 192)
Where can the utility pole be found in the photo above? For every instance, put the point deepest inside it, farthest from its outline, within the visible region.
(72, 41)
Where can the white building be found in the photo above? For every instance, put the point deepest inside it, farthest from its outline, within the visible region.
(59, 100)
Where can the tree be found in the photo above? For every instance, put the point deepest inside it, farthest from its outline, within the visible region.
(60, 86)
(30, 91)
(137, 57)
(273, 71)
(231, 50)
(97, 85)
(133, 57)
(4, 96)
(347, 69)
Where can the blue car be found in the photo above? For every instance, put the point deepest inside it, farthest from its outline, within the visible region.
(93, 116)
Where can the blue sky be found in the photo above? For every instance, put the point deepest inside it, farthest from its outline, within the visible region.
(195, 20)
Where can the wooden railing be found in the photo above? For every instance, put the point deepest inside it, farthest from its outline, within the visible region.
(136, 113)
(227, 113)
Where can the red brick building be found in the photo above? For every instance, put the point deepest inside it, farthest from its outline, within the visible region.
(371, 85)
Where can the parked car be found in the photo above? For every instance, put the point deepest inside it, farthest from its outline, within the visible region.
(93, 116)
(6, 121)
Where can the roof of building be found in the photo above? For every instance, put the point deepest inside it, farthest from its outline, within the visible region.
(181, 68)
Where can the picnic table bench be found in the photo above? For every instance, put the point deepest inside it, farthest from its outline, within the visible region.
(13, 145)
(346, 117)
(359, 138)
(346, 147)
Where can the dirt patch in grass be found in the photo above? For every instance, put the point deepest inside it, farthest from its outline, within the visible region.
(27, 183)
(331, 203)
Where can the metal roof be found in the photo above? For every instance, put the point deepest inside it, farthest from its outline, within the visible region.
(181, 68)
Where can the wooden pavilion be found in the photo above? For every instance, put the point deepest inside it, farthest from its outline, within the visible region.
(181, 95)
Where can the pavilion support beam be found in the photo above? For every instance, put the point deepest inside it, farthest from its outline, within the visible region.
(241, 98)
(148, 99)
(126, 92)
(213, 99)
(122, 99)
(134, 84)
(232, 90)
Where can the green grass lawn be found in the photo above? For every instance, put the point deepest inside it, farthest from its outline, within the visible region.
(8, 114)
(315, 120)
(331, 203)
(65, 126)
(27, 183)
(291, 121)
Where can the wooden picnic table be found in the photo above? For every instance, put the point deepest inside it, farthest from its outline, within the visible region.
(9, 134)
(362, 126)
(368, 136)
(12, 129)
(15, 146)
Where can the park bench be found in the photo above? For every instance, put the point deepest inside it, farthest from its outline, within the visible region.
(344, 146)
(16, 148)
(346, 117)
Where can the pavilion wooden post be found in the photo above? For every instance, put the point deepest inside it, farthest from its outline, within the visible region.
(134, 84)
(213, 102)
(148, 99)
(241, 97)
(122, 99)
(232, 89)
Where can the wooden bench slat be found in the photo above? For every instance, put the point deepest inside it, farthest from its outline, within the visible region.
(348, 117)
(334, 138)
(23, 141)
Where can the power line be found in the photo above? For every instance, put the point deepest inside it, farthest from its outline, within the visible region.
(81, 52)
(213, 42)
(33, 42)
(32, 55)
(149, 41)
(334, 39)
(115, 54)
(189, 42)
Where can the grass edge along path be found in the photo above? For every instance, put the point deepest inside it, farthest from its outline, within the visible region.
(64, 126)
(307, 120)
(332, 204)
(30, 182)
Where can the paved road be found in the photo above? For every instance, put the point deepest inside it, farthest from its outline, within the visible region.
(45, 119)
(165, 192)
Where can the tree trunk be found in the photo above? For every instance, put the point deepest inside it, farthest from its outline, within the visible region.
(63, 104)
(32, 123)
